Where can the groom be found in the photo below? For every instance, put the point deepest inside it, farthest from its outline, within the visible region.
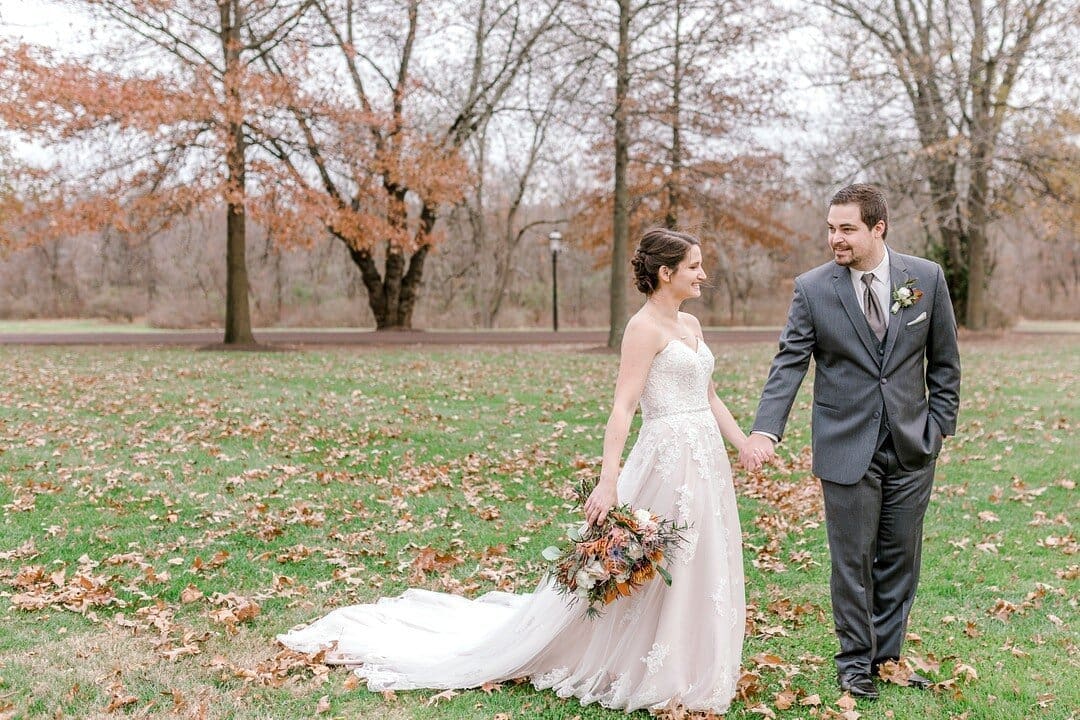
(881, 330)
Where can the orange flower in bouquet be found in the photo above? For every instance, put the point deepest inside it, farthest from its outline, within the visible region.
(614, 559)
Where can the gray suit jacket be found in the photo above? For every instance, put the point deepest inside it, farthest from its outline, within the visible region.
(912, 378)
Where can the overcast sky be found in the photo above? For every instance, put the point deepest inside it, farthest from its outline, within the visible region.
(39, 22)
(62, 26)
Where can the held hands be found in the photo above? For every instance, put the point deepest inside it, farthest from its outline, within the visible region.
(601, 500)
(756, 451)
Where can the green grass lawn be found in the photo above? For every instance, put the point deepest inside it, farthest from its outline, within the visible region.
(167, 512)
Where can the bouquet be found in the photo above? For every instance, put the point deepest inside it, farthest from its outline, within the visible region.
(615, 558)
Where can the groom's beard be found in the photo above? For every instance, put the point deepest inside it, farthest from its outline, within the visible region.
(844, 258)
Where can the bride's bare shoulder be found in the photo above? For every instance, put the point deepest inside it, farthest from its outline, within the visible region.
(691, 321)
(643, 334)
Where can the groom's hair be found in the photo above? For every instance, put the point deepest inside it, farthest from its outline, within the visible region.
(873, 206)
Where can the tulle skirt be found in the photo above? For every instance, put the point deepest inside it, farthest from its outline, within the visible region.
(679, 644)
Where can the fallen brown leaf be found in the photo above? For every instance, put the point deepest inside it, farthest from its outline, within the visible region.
(323, 705)
(444, 695)
(784, 700)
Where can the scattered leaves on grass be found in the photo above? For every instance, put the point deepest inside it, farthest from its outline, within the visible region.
(172, 449)
(441, 697)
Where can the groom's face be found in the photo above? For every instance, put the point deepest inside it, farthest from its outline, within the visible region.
(853, 244)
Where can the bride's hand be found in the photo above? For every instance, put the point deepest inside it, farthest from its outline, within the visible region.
(756, 451)
(601, 500)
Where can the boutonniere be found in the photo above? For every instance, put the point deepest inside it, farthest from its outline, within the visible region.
(905, 296)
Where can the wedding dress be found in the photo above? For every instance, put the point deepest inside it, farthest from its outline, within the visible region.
(678, 644)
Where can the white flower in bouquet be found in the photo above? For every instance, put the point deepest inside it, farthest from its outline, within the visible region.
(645, 520)
(595, 570)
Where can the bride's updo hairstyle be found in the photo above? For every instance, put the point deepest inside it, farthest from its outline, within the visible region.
(659, 247)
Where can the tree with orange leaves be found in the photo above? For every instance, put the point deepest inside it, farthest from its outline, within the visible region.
(375, 160)
(296, 113)
(158, 123)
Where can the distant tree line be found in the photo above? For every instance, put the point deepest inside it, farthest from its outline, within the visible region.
(409, 154)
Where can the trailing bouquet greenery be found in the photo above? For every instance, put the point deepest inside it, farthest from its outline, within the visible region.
(614, 559)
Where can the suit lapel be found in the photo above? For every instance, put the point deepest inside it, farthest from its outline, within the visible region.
(898, 271)
(846, 292)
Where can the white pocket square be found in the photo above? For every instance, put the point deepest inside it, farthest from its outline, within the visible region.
(916, 321)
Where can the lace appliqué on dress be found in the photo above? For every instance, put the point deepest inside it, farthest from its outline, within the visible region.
(551, 678)
(721, 597)
(655, 659)
(685, 496)
(688, 550)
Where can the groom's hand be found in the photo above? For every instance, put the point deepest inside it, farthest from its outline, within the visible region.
(756, 451)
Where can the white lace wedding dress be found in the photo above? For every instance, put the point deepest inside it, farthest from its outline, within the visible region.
(678, 644)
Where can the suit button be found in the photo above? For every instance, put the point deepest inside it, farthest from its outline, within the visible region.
(877, 415)
(884, 381)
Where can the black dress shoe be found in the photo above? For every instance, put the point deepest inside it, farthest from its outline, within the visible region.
(919, 682)
(858, 685)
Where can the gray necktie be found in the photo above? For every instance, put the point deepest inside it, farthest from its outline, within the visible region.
(872, 308)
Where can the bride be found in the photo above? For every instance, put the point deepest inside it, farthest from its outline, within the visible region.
(661, 646)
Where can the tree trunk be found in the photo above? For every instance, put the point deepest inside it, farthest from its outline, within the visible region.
(237, 311)
(373, 283)
(151, 277)
(621, 220)
(978, 268)
(671, 220)
(983, 139)
(392, 295)
(410, 288)
(953, 253)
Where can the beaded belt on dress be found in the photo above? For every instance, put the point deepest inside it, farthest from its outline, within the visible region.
(677, 411)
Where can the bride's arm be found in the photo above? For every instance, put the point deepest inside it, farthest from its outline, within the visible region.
(725, 420)
(639, 345)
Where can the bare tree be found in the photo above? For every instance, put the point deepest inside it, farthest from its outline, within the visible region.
(960, 74)
(616, 32)
(680, 158)
(510, 149)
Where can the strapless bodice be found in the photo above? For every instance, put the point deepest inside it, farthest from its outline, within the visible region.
(678, 381)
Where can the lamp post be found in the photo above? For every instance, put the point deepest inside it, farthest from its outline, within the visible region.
(555, 243)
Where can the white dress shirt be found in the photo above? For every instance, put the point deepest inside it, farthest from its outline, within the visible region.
(880, 286)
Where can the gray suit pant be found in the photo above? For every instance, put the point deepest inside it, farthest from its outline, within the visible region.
(875, 543)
